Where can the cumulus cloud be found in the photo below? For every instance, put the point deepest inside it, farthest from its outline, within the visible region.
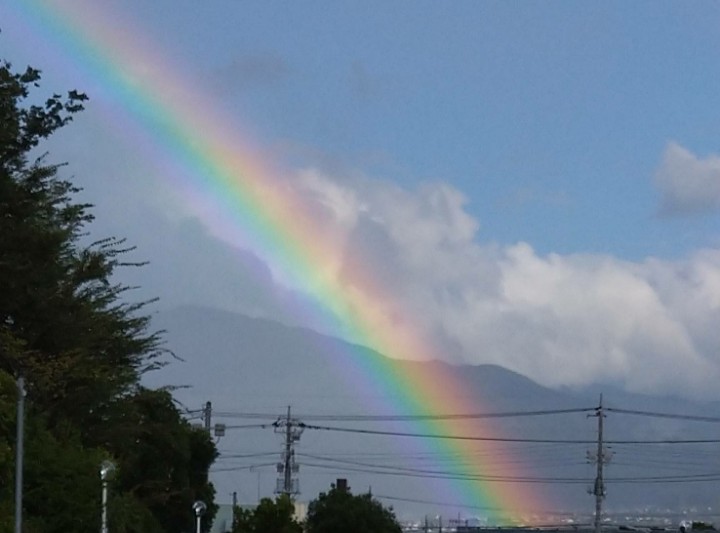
(688, 184)
(561, 320)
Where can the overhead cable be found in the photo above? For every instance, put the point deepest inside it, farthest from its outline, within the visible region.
(665, 415)
(499, 439)
(409, 418)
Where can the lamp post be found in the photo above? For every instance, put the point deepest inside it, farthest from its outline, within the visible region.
(199, 507)
(106, 468)
(19, 454)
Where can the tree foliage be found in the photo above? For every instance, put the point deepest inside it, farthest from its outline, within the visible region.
(82, 347)
(268, 517)
(339, 510)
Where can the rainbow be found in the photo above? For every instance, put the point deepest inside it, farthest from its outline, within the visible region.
(252, 206)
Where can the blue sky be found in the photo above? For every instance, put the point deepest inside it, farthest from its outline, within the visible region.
(551, 117)
(523, 170)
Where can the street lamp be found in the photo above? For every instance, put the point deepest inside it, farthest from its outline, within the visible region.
(199, 507)
(19, 454)
(106, 468)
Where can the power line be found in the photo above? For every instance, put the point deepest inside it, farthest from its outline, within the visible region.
(384, 466)
(452, 475)
(548, 456)
(715, 476)
(408, 418)
(439, 435)
(665, 415)
(241, 467)
(502, 439)
(245, 455)
(250, 426)
(463, 416)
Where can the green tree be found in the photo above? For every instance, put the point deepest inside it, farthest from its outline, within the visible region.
(164, 460)
(82, 348)
(242, 520)
(269, 516)
(83, 345)
(61, 486)
(704, 526)
(339, 511)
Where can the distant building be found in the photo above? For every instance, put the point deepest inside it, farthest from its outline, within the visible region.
(223, 519)
(300, 511)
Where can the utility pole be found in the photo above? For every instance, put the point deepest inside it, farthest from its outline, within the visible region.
(207, 416)
(291, 429)
(600, 458)
(289, 456)
(19, 445)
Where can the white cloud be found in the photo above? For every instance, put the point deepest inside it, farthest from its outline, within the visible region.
(561, 320)
(688, 184)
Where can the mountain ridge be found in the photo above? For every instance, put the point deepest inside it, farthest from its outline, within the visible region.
(255, 365)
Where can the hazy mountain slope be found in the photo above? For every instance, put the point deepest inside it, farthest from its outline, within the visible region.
(247, 365)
